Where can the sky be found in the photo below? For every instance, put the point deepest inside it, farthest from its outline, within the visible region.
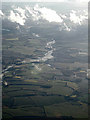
(78, 1)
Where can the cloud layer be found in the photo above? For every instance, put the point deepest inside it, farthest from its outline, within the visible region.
(18, 17)
(36, 13)
(78, 19)
(44, 13)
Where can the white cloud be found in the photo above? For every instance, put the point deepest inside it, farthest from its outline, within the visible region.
(34, 13)
(78, 19)
(44, 13)
(37, 13)
(15, 17)
(18, 17)
(74, 18)
(50, 15)
(21, 11)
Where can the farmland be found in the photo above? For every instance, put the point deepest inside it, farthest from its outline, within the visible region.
(43, 73)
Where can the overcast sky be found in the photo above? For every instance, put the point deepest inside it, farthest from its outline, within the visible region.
(78, 1)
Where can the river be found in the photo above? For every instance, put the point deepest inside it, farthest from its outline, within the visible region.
(46, 56)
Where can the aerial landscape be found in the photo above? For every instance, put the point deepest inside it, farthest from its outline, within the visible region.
(44, 60)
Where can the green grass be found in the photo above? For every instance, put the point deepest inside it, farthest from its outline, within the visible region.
(47, 100)
(21, 101)
(16, 99)
(66, 109)
(20, 93)
(28, 111)
(83, 98)
(59, 89)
